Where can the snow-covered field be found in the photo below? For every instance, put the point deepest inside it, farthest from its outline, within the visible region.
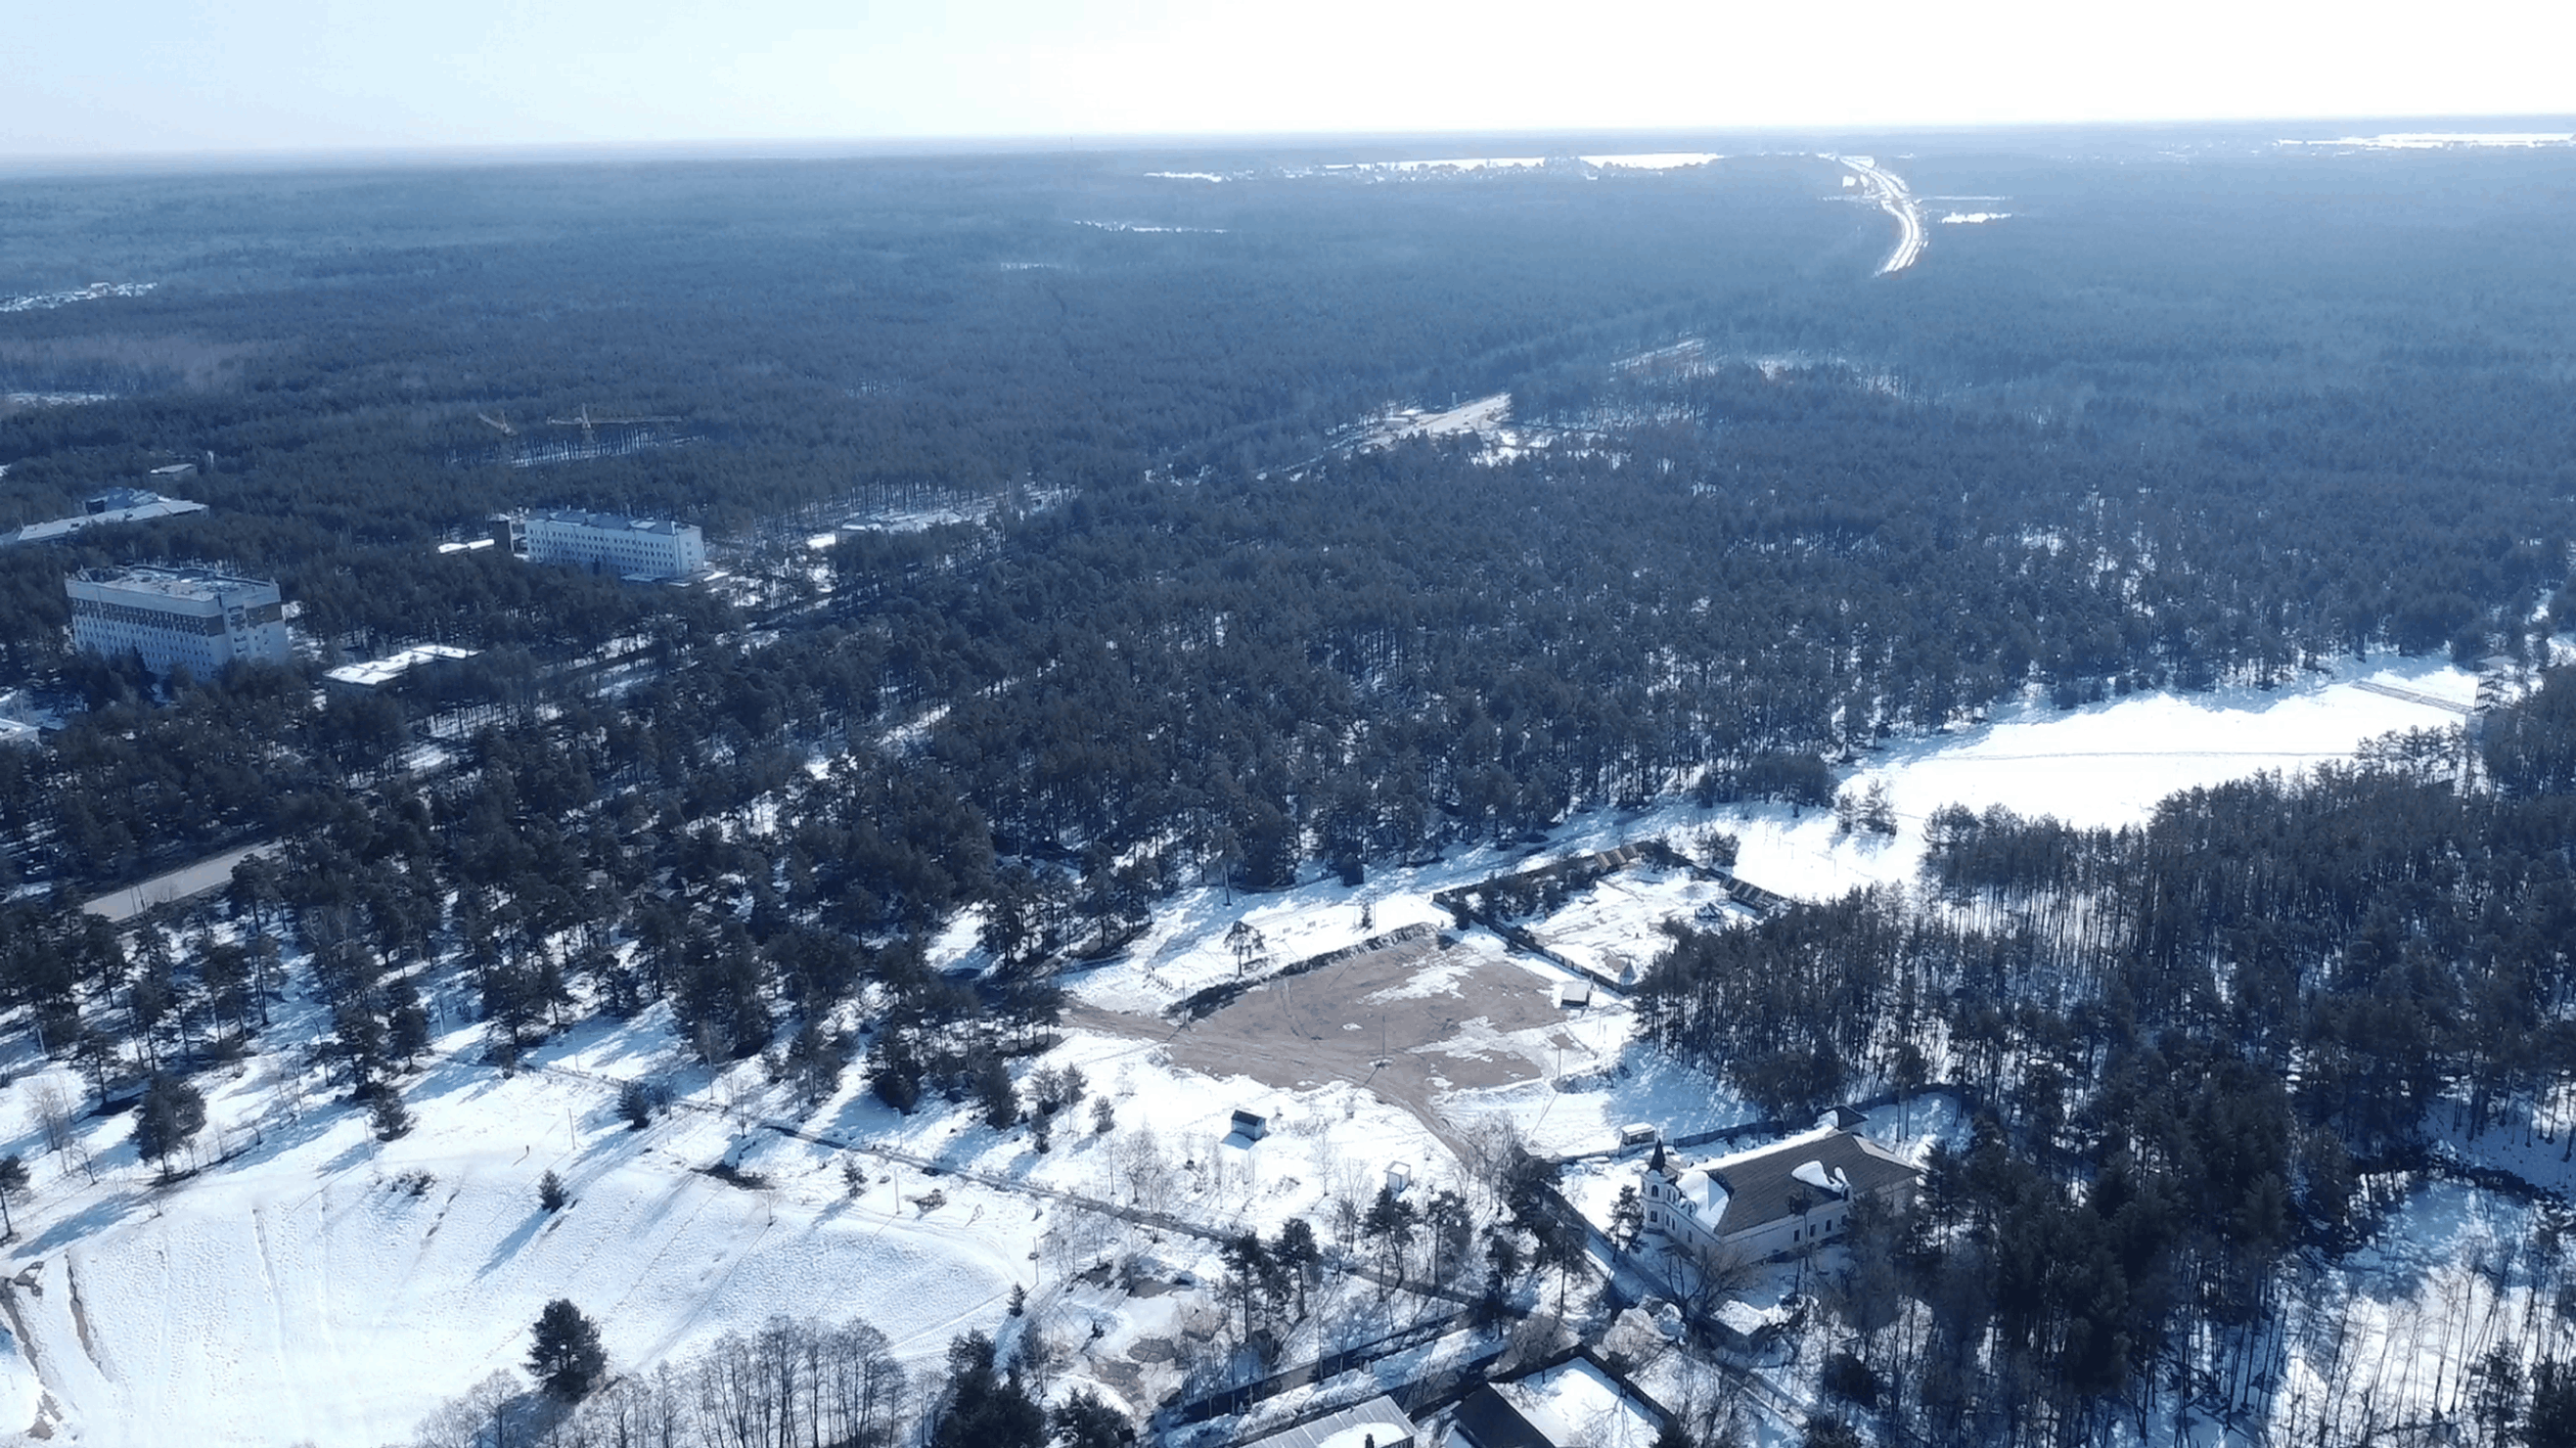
(324, 1286)
(320, 1284)
(2101, 765)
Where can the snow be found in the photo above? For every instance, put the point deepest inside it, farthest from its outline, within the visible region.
(375, 673)
(308, 1290)
(1137, 227)
(2533, 1141)
(1909, 1130)
(1652, 160)
(1484, 416)
(1366, 1434)
(2449, 140)
(1577, 1403)
(2100, 766)
(95, 291)
(1460, 163)
(2394, 1327)
(20, 1392)
(315, 1294)
(52, 399)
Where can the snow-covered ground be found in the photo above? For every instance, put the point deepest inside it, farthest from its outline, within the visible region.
(2389, 1335)
(95, 291)
(319, 1284)
(1577, 1403)
(1487, 418)
(1143, 227)
(1652, 160)
(2101, 765)
(323, 1286)
(1455, 163)
(54, 399)
(2448, 141)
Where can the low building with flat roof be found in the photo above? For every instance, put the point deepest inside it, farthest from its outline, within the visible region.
(376, 674)
(190, 618)
(116, 505)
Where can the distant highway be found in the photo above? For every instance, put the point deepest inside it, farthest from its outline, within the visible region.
(1888, 190)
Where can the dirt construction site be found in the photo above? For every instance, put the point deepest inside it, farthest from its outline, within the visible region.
(1408, 1021)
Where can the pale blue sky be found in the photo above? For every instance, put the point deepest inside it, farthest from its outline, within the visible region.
(176, 76)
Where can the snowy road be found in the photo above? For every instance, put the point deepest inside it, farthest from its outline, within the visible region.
(1888, 190)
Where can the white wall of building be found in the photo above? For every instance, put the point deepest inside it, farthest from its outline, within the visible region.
(646, 548)
(179, 619)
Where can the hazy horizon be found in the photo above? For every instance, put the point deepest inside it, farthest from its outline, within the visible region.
(171, 81)
(1358, 144)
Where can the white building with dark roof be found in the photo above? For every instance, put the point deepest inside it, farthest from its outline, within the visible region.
(1774, 1200)
(190, 618)
(639, 548)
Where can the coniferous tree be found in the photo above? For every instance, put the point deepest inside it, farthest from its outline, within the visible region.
(986, 1409)
(13, 1181)
(170, 1115)
(565, 1355)
(1083, 1420)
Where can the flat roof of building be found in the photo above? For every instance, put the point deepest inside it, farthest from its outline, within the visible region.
(607, 522)
(1378, 1420)
(154, 506)
(201, 584)
(375, 672)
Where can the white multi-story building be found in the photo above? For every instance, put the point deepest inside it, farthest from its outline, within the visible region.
(178, 617)
(1776, 1200)
(647, 548)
